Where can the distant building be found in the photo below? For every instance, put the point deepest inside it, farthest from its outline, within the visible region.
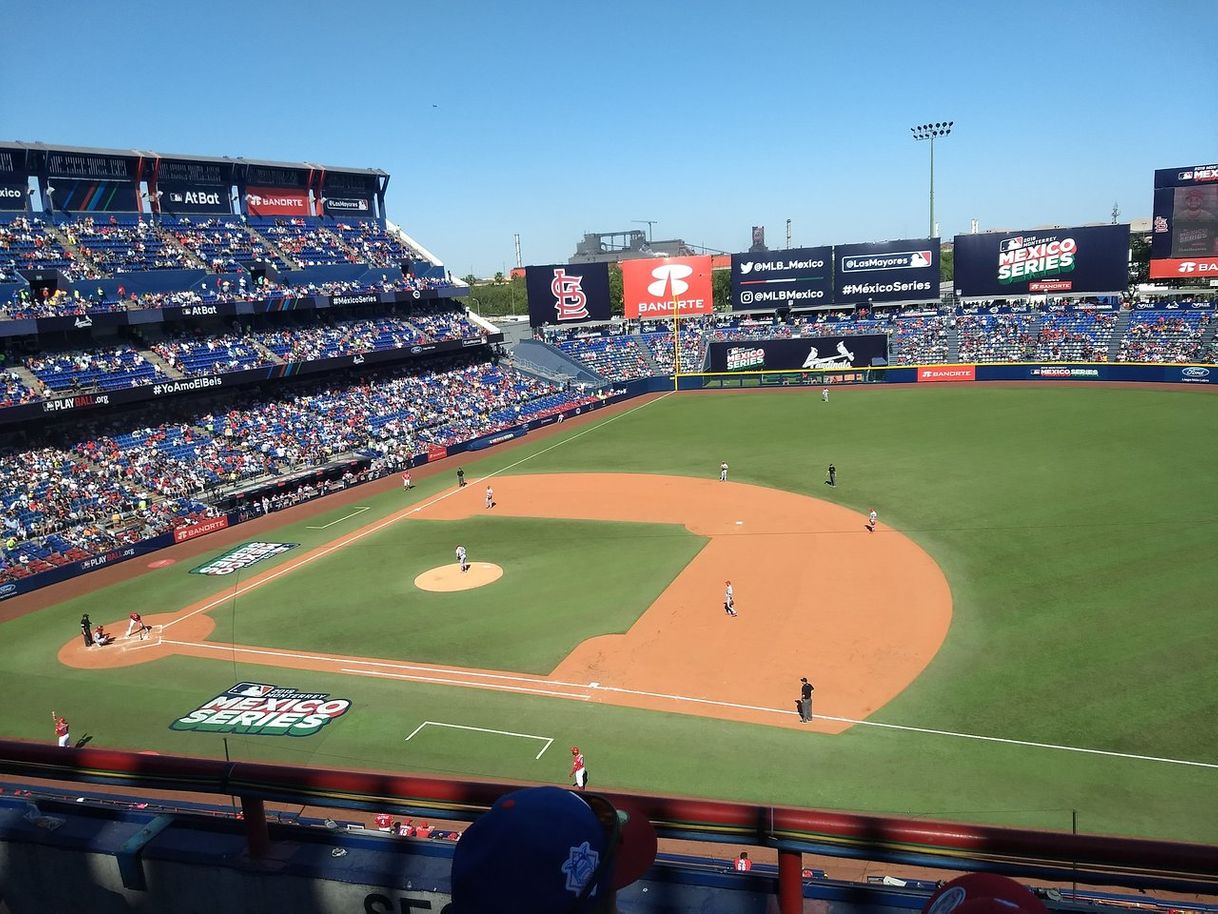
(611, 247)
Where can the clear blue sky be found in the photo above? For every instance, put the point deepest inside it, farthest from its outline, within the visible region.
(560, 118)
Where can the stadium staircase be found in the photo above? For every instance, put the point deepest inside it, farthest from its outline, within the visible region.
(170, 240)
(652, 365)
(1118, 334)
(273, 248)
(266, 352)
(29, 379)
(170, 371)
(74, 252)
(335, 239)
(953, 342)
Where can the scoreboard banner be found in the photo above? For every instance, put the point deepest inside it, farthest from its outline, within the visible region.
(193, 198)
(653, 287)
(1184, 239)
(1084, 259)
(810, 354)
(13, 196)
(567, 293)
(794, 278)
(888, 271)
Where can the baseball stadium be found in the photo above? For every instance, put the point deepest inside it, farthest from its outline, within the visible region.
(877, 565)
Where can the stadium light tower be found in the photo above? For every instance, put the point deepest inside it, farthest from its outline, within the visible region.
(931, 132)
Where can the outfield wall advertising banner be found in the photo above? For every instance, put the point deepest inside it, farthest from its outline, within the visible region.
(1184, 237)
(794, 278)
(277, 201)
(887, 271)
(567, 293)
(1085, 259)
(13, 195)
(946, 373)
(193, 198)
(651, 286)
(813, 354)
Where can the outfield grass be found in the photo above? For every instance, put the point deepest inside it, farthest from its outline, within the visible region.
(1076, 527)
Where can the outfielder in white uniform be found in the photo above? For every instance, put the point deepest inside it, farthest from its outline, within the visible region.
(729, 599)
(461, 559)
(824, 394)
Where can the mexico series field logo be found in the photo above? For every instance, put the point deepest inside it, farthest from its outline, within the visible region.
(243, 556)
(259, 709)
(1028, 257)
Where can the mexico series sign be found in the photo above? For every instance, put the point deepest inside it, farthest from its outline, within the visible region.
(261, 709)
(1068, 261)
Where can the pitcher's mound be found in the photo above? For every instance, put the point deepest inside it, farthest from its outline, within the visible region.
(450, 577)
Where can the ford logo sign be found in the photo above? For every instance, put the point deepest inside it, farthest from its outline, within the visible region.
(8, 589)
(1195, 372)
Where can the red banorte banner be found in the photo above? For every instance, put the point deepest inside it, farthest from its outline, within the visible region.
(1184, 268)
(277, 201)
(436, 452)
(650, 285)
(202, 528)
(947, 373)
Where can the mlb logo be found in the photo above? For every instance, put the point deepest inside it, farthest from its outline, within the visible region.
(251, 690)
(1185, 176)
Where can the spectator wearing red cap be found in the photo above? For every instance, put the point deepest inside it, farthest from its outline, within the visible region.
(579, 771)
(983, 893)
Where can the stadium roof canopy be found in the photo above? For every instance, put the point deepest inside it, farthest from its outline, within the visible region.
(147, 153)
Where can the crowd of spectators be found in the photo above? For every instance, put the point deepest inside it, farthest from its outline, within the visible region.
(346, 337)
(204, 355)
(616, 358)
(921, 339)
(93, 369)
(13, 390)
(26, 244)
(307, 243)
(997, 337)
(1164, 336)
(1075, 336)
(222, 242)
(373, 244)
(123, 248)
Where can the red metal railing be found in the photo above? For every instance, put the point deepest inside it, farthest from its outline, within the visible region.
(1085, 858)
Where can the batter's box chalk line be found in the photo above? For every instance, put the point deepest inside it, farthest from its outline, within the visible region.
(547, 741)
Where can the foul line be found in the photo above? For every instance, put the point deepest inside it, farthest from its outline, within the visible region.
(359, 509)
(548, 740)
(536, 688)
(394, 518)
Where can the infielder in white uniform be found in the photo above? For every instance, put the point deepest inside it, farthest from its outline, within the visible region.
(490, 497)
(461, 559)
(723, 471)
(871, 521)
(729, 599)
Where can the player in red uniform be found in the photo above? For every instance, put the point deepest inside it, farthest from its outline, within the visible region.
(61, 729)
(578, 770)
(136, 623)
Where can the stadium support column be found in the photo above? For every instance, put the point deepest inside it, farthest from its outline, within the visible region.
(676, 342)
(930, 132)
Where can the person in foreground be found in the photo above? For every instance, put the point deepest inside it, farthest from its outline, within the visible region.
(546, 850)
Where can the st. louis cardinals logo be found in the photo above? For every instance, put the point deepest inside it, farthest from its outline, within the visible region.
(570, 300)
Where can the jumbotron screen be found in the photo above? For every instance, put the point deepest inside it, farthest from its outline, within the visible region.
(1184, 239)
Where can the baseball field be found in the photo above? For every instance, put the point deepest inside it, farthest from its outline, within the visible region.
(1029, 633)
